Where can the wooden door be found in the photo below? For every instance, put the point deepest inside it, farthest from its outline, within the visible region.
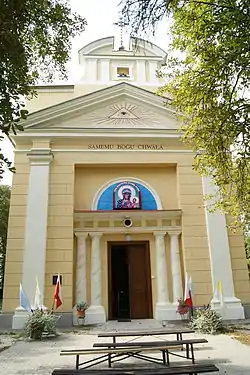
(139, 282)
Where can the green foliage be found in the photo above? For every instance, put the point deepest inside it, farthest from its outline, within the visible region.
(82, 306)
(4, 216)
(247, 249)
(206, 320)
(38, 323)
(35, 43)
(208, 82)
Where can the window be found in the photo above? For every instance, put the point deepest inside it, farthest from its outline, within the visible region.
(123, 72)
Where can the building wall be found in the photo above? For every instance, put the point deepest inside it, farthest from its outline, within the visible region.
(16, 228)
(74, 180)
(239, 266)
(194, 234)
(88, 180)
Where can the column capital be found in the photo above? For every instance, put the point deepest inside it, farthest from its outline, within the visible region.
(81, 234)
(174, 233)
(40, 156)
(160, 234)
(96, 234)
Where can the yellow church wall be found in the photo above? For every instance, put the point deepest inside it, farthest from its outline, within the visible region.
(16, 231)
(60, 234)
(194, 236)
(75, 178)
(89, 180)
(239, 266)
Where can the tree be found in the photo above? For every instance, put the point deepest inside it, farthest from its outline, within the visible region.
(209, 86)
(35, 43)
(247, 246)
(4, 216)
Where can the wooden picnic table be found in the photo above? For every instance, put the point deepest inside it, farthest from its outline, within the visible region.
(112, 352)
(177, 332)
(169, 345)
(176, 370)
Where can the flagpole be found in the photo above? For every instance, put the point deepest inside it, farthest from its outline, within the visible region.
(53, 305)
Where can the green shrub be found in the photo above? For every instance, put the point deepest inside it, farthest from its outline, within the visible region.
(206, 320)
(38, 323)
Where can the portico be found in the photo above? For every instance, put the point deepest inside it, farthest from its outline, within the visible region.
(166, 279)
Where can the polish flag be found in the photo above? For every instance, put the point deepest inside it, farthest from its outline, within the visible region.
(58, 293)
(188, 296)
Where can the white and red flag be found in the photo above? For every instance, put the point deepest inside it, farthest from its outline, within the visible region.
(188, 294)
(58, 293)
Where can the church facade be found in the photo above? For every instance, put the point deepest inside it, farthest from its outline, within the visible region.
(105, 195)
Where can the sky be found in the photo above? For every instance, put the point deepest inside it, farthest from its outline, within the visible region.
(101, 16)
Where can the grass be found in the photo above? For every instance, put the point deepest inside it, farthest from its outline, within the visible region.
(239, 335)
(242, 337)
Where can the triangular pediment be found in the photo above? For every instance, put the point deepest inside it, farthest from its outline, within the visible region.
(121, 106)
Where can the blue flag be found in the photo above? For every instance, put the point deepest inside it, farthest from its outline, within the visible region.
(24, 301)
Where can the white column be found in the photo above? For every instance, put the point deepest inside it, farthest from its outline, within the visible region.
(34, 253)
(81, 267)
(91, 71)
(153, 67)
(141, 71)
(105, 70)
(96, 313)
(175, 266)
(220, 258)
(164, 309)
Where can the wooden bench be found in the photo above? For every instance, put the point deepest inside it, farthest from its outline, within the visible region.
(176, 370)
(177, 332)
(189, 343)
(126, 350)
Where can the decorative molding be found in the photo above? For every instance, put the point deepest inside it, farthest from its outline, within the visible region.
(173, 233)
(97, 150)
(133, 215)
(81, 234)
(131, 230)
(160, 233)
(95, 234)
(40, 157)
(95, 133)
(123, 114)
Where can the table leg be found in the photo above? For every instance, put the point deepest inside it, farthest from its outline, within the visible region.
(77, 361)
(187, 351)
(109, 360)
(164, 357)
(167, 357)
(192, 352)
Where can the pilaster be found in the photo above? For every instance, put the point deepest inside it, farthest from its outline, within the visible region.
(34, 253)
(220, 258)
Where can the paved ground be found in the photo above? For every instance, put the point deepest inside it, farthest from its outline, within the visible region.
(29, 358)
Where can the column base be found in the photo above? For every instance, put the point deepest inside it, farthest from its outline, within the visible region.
(95, 315)
(232, 308)
(19, 318)
(166, 311)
